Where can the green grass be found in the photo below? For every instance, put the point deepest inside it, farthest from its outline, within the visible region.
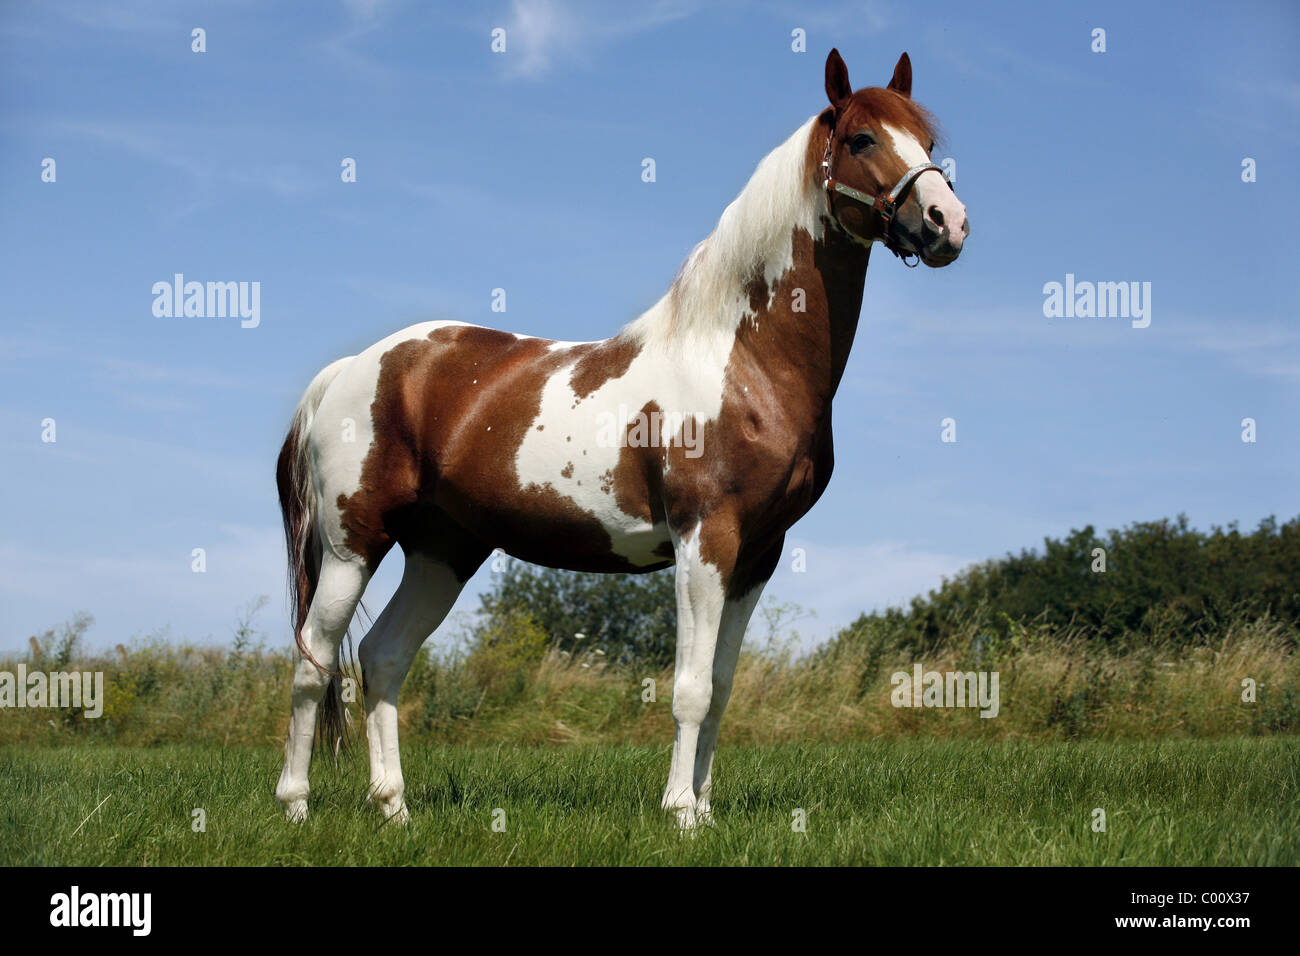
(1232, 801)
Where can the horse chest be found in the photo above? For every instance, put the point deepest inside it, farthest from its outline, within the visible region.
(781, 456)
(806, 478)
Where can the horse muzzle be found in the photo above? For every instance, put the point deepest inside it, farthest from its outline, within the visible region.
(943, 233)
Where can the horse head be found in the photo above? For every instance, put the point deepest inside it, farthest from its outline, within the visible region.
(881, 183)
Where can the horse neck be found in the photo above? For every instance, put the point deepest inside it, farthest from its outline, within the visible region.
(805, 352)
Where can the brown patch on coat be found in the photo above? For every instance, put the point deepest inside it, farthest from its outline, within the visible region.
(637, 476)
(449, 415)
(602, 362)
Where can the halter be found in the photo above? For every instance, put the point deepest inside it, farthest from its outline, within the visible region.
(886, 204)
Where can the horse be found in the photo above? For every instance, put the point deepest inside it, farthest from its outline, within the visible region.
(696, 436)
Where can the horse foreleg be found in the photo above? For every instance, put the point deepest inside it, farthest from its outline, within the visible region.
(701, 598)
(735, 618)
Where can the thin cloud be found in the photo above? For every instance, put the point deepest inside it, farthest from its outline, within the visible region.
(834, 21)
(24, 347)
(1255, 346)
(157, 17)
(364, 9)
(120, 369)
(840, 582)
(141, 592)
(158, 144)
(542, 35)
(344, 49)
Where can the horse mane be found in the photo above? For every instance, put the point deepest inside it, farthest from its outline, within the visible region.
(751, 240)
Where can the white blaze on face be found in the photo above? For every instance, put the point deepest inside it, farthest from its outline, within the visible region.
(930, 188)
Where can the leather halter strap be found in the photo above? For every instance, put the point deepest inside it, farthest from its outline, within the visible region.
(886, 204)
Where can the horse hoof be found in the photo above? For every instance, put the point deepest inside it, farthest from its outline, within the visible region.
(295, 811)
(391, 806)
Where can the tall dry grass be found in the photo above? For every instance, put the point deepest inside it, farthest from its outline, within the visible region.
(510, 688)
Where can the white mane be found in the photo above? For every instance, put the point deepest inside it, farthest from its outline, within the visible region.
(752, 238)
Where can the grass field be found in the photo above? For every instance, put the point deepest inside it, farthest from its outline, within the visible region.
(1233, 801)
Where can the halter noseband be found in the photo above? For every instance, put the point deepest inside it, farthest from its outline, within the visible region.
(886, 204)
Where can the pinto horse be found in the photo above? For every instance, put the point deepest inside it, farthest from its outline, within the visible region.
(696, 436)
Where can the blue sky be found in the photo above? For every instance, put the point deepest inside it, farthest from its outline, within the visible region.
(522, 171)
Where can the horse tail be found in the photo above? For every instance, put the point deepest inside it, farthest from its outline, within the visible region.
(298, 508)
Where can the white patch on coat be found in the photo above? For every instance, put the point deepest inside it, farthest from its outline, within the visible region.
(677, 378)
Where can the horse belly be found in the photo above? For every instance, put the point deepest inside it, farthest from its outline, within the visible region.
(572, 522)
(577, 548)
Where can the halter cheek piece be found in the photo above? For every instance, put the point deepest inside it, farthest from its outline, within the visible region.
(886, 204)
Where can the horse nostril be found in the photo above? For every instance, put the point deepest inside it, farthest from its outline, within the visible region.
(936, 216)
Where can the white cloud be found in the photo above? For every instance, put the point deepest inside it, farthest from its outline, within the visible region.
(541, 34)
(538, 31)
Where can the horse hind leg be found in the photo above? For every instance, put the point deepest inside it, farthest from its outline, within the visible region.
(339, 587)
(427, 591)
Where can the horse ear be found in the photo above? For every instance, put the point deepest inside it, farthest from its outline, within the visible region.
(902, 81)
(837, 79)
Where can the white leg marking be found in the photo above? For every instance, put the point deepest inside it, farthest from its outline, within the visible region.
(338, 590)
(735, 618)
(700, 600)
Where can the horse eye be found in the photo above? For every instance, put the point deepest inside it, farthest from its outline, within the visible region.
(860, 142)
(931, 149)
